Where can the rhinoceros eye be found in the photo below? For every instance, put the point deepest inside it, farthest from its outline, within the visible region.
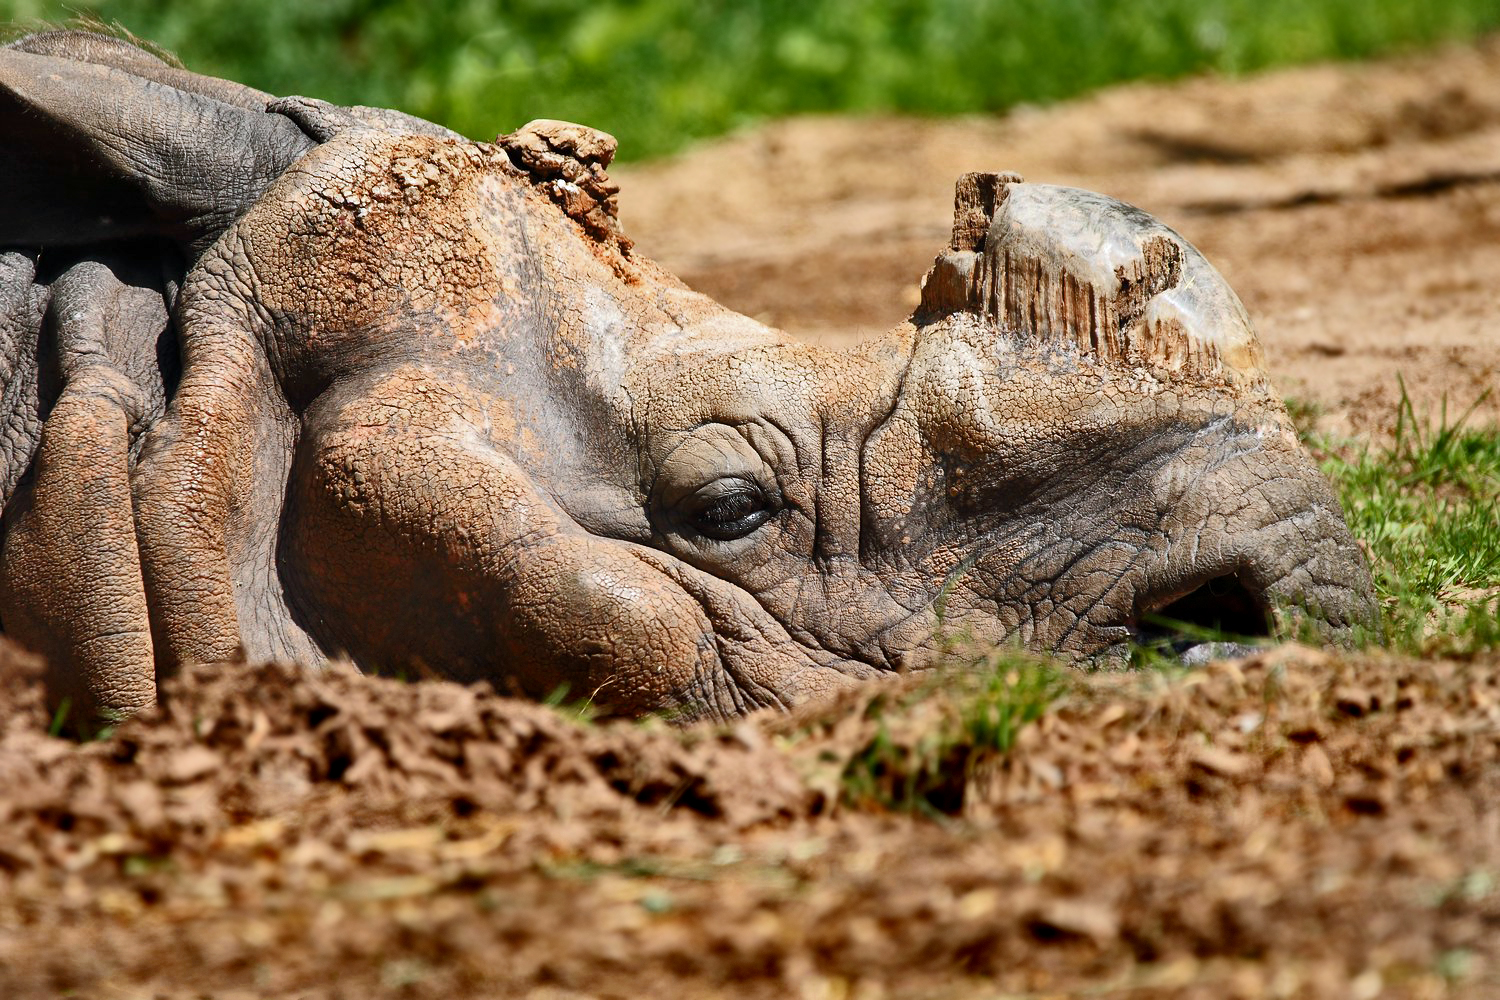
(729, 508)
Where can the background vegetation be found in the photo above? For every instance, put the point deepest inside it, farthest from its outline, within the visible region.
(659, 73)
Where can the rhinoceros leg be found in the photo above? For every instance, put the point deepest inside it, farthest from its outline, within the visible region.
(208, 489)
(70, 576)
(23, 303)
(71, 586)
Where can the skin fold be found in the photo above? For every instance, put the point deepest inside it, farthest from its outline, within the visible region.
(290, 380)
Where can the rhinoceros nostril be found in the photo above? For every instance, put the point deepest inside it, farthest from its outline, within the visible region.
(1222, 607)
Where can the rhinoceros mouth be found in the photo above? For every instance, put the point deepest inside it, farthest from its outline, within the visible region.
(1222, 616)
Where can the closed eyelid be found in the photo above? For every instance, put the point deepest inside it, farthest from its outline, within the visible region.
(728, 509)
(726, 486)
(705, 458)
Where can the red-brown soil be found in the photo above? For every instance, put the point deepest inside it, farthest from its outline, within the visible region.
(1295, 825)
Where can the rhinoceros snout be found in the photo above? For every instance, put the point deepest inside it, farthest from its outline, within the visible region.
(1234, 564)
(1108, 461)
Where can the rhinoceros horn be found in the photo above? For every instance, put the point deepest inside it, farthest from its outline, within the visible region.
(1077, 268)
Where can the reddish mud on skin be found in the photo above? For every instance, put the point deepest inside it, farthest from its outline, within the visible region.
(435, 414)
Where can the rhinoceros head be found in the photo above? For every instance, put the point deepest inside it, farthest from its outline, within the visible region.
(434, 412)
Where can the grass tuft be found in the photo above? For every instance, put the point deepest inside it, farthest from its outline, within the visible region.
(1427, 509)
(922, 748)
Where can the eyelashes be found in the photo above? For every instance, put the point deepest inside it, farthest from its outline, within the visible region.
(729, 508)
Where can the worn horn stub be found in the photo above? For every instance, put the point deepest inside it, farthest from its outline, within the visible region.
(1064, 266)
(569, 161)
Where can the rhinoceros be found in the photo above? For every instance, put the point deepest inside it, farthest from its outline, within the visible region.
(285, 379)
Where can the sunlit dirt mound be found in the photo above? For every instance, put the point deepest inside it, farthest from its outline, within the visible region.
(1294, 825)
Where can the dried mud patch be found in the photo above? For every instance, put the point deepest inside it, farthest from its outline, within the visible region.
(1296, 824)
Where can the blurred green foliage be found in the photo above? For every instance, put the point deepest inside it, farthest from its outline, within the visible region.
(659, 73)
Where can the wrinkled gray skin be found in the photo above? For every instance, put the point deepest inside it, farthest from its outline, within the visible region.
(310, 381)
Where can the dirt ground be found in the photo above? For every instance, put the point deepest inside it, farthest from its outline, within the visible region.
(1295, 825)
(1299, 824)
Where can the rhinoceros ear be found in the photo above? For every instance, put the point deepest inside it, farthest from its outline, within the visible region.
(101, 141)
(117, 53)
(1060, 266)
